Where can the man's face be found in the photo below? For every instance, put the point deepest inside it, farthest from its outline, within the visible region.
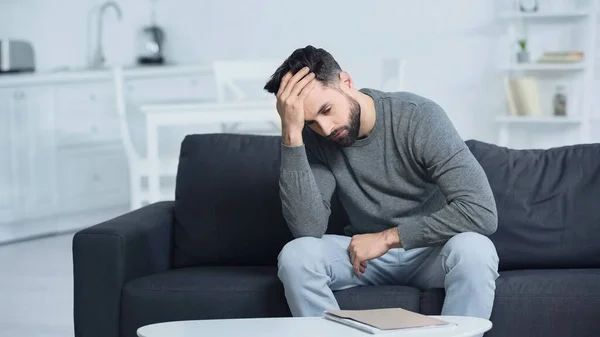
(333, 114)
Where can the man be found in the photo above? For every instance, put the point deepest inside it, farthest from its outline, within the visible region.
(419, 204)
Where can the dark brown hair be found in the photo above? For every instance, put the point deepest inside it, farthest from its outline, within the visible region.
(319, 61)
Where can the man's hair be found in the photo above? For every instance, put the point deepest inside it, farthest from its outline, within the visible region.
(319, 61)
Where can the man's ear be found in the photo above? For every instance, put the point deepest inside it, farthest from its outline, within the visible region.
(346, 80)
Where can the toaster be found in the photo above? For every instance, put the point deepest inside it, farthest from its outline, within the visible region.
(16, 56)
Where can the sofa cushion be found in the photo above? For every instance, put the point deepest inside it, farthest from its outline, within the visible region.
(561, 303)
(233, 292)
(202, 293)
(548, 204)
(227, 205)
(532, 303)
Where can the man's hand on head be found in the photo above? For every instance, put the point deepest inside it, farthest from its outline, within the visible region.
(290, 104)
(365, 247)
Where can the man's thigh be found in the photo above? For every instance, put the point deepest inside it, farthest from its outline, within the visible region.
(394, 267)
(429, 272)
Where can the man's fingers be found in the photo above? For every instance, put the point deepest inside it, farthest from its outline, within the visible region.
(283, 84)
(292, 81)
(356, 264)
(362, 267)
(308, 88)
(298, 87)
(355, 260)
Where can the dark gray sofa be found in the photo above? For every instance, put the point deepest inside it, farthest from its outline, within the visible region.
(212, 252)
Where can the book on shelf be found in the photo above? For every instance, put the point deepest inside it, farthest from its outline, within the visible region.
(561, 57)
(377, 321)
(523, 96)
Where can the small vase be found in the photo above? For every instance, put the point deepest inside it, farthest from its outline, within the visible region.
(529, 6)
(523, 56)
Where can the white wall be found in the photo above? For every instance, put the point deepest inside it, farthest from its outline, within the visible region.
(451, 46)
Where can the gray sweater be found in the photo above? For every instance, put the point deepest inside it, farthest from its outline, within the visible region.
(413, 171)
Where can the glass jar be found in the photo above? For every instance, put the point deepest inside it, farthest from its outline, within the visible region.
(559, 102)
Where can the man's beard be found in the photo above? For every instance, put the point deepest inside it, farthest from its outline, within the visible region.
(352, 129)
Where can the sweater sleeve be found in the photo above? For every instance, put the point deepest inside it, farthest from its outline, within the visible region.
(306, 186)
(446, 161)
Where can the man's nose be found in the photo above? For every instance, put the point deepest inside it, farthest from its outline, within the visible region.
(326, 127)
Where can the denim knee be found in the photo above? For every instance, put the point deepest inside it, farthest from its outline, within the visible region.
(300, 253)
(471, 250)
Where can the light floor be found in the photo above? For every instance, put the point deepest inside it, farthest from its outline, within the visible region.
(36, 276)
(36, 288)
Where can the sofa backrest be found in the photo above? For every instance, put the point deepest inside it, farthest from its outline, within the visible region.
(227, 206)
(228, 211)
(548, 204)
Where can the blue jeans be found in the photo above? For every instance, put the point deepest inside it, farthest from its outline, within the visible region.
(311, 269)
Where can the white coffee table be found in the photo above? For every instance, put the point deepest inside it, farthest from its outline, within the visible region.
(301, 327)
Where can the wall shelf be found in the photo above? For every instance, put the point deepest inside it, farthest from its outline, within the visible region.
(549, 30)
(572, 14)
(539, 120)
(545, 67)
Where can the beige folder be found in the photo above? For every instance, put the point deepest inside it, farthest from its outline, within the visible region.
(376, 320)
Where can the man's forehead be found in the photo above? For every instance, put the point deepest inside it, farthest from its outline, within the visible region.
(317, 97)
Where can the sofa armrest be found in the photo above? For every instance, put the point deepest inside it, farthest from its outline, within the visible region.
(109, 254)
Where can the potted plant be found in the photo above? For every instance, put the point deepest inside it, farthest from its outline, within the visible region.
(523, 54)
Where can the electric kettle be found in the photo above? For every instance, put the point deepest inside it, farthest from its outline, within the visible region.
(151, 41)
(150, 45)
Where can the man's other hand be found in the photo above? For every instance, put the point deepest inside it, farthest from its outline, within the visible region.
(365, 247)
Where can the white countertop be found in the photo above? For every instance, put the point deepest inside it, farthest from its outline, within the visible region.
(92, 75)
(208, 105)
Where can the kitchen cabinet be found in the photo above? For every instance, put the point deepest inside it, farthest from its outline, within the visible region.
(91, 164)
(92, 178)
(85, 114)
(60, 151)
(61, 145)
(6, 162)
(33, 148)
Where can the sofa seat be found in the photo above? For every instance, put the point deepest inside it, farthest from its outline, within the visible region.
(233, 292)
(557, 302)
(202, 293)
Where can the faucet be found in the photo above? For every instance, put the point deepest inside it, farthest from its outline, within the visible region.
(98, 57)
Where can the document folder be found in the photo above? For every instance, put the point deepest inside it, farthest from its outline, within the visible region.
(377, 321)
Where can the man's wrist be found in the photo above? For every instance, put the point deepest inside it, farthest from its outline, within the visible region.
(392, 238)
(291, 137)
